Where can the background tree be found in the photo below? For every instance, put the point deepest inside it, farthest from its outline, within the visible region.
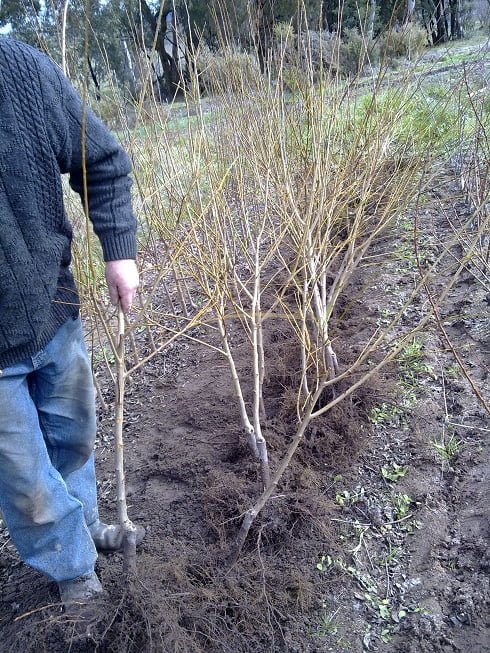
(122, 34)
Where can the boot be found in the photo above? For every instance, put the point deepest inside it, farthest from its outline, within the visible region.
(80, 589)
(109, 537)
(84, 605)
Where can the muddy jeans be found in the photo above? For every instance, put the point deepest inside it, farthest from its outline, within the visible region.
(47, 475)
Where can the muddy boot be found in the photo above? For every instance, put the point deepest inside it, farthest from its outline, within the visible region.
(84, 604)
(109, 537)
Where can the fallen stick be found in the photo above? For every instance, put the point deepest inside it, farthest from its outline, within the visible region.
(129, 529)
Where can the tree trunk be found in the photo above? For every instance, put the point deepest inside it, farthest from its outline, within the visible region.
(263, 21)
(370, 19)
(168, 81)
(129, 73)
(409, 10)
(331, 9)
(456, 8)
(94, 78)
(440, 32)
(326, 16)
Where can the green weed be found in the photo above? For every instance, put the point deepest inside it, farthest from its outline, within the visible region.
(385, 413)
(327, 625)
(103, 355)
(346, 498)
(411, 363)
(453, 371)
(447, 449)
(401, 505)
(391, 555)
(394, 473)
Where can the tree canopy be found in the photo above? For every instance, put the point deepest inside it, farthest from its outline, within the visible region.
(120, 31)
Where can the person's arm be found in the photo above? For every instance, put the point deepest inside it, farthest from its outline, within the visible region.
(108, 182)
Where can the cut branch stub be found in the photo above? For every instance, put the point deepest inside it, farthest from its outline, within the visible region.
(332, 363)
(264, 460)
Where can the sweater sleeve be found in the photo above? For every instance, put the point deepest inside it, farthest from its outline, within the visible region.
(107, 165)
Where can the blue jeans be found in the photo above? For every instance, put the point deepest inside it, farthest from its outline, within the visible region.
(47, 476)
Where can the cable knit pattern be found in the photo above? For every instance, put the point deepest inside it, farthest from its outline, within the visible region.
(41, 118)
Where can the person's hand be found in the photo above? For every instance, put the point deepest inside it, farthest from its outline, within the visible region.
(122, 281)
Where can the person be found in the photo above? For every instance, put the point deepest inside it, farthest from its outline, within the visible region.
(47, 401)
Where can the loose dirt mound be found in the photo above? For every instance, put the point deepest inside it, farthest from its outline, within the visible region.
(377, 539)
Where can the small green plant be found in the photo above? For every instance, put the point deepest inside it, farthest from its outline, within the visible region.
(411, 354)
(409, 396)
(412, 524)
(103, 355)
(327, 625)
(385, 413)
(384, 609)
(453, 371)
(342, 498)
(394, 473)
(365, 580)
(391, 554)
(385, 317)
(401, 505)
(386, 612)
(346, 498)
(411, 363)
(405, 256)
(447, 449)
(326, 563)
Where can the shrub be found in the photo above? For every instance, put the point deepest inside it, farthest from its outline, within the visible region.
(356, 50)
(324, 49)
(227, 70)
(469, 18)
(327, 51)
(283, 35)
(483, 16)
(408, 41)
(108, 107)
(303, 58)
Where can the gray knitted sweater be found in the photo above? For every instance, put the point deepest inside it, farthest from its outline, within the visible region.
(40, 138)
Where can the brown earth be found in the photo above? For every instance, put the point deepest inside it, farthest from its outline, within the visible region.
(374, 541)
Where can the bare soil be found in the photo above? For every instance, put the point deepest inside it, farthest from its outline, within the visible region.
(374, 540)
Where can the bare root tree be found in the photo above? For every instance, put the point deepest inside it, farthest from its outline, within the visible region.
(290, 202)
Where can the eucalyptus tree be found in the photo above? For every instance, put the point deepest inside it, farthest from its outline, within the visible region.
(444, 19)
(60, 27)
(21, 17)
